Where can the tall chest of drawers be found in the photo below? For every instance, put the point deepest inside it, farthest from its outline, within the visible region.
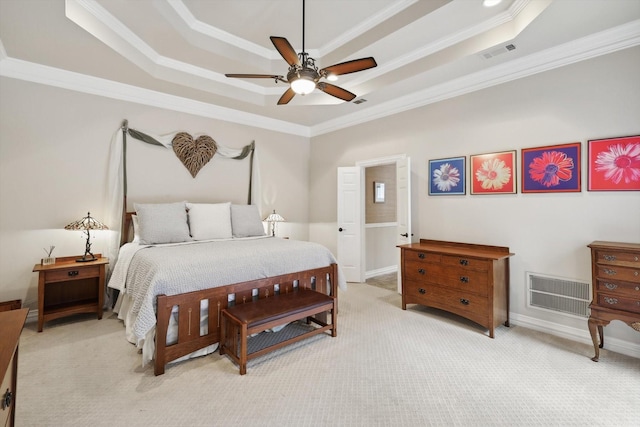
(466, 279)
(615, 269)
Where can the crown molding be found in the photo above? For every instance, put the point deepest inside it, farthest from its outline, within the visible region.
(604, 42)
(50, 76)
(96, 20)
(608, 41)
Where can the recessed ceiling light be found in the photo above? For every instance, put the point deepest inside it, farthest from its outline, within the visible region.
(491, 3)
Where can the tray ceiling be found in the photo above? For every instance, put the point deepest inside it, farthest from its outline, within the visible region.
(174, 53)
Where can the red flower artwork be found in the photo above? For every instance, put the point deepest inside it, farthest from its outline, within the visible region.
(551, 168)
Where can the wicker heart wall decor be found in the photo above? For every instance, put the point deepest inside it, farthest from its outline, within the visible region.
(193, 154)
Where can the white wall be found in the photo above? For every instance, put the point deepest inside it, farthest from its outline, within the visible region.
(53, 164)
(548, 232)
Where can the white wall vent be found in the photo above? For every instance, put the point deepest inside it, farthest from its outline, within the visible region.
(498, 51)
(565, 296)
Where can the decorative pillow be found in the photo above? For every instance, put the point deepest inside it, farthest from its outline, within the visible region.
(136, 228)
(245, 221)
(162, 223)
(210, 221)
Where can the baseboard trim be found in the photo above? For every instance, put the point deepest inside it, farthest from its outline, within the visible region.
(380, 271)
(580, 335)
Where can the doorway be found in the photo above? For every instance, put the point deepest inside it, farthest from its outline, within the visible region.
(352, 189)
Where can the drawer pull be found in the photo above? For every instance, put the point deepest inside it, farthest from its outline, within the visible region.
(464, 279)
(464, 301)
(73, 273)
(421, 255)
(421, 271)
(422, 291)
(611, 286)
(610, 300)
(7, 399)
(610, 272)
(609, 257)
(464, 262)
(637, 288)
(635, 273)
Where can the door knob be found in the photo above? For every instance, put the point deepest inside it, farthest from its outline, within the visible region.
(340, 229)
(405, 235)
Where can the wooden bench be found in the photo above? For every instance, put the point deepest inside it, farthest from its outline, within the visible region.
(242, 320)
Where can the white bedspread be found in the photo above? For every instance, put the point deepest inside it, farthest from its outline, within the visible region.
(143, 272)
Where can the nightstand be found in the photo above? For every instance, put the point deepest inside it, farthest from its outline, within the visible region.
(69, 287)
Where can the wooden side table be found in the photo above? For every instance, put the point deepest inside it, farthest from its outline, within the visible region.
(69, 287)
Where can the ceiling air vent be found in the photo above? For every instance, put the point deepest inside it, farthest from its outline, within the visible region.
(498, 51)
(359, 101)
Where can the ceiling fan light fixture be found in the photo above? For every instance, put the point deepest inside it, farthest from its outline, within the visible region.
(303, 82)
(332, 77)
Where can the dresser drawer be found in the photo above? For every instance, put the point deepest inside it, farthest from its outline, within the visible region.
(421, 270)
(71, 274)
(465, 262)
(468, 281)
(422, 256)
(618, 303)
(613, 287)
(614, 272)
(7, 387)
(472, 307)
(617, 258)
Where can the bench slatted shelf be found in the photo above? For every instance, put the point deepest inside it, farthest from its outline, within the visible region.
(242, 320)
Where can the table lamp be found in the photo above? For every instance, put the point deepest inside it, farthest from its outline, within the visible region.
(85, 224)
(272, 219)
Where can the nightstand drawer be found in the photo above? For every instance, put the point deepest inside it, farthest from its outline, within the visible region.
(72, 274)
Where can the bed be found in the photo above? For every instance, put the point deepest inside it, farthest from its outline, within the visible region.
(187, 262)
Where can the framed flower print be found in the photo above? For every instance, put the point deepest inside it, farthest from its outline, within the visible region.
(493, 173)
(614, 164)
(551, 169)
(446, 176)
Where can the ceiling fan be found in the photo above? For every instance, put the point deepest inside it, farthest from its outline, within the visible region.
(303, 75)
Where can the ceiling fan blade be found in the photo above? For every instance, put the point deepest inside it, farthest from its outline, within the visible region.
(286, 97)
(256, 76)
(336, 91)
(286, 50)
(350, 66)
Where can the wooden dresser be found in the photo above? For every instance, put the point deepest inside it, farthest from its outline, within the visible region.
(615, 269)
(12, 322)
(466, 279)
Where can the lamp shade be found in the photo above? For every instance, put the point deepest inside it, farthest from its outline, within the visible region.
(274, 217)
(86, 223)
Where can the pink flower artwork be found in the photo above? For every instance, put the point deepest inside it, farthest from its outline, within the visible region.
(614, 164)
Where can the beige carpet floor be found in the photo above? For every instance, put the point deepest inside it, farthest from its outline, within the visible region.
(386, 367)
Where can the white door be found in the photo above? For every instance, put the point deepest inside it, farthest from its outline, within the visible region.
(403, 213)
(350, 220)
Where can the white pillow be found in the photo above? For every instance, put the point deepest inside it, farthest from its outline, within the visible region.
(162, 223)
(245, 221)
(210, 221)
(136, 228)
